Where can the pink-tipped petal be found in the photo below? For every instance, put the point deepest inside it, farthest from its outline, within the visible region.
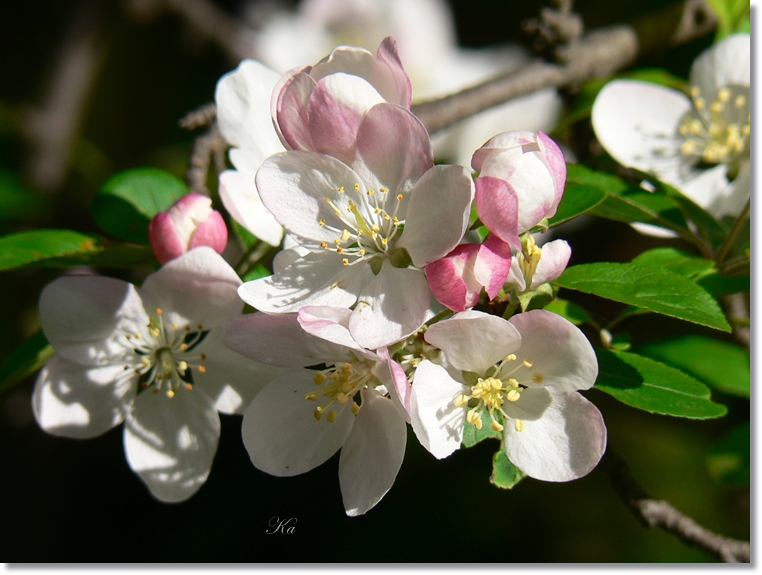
(498, 207)
(165, 242)
(492, 265)
(555, 257)
(213, 233)
(557, 163)
(388, 54)
(291, 117)
(449, 278)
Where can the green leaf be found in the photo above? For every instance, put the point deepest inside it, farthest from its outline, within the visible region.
(504, 473)
(39, 246)
(730, 15)
(657, 290)
(729, 458)
(247, 238)
(25, 360)
(722, 365)
(537, 298)
(568, 310)
(698, 269)
(577, 199)
(472, 436)
(654, 387)
(629, 203)
(129, 200)
(259, 271)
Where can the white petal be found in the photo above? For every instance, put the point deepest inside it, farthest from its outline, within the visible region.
(239, 195)
(733, 197)
(705, 187)
(85, 318)
(280, 431)
(437, 422)
(230, 379)
(316, 279)
(391, 307)
(372, 454)
(74, 400)
(559, 353)
(473, 340)
(199, 287)
(636, 122)
(726, 62)
(279, 340)
(564, 444)
(243, 109)
(170, 442)
(328, 323)
(555, 256)
(438, 212)
(295, 187)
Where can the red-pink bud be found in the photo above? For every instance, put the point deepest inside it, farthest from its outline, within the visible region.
(190, 222)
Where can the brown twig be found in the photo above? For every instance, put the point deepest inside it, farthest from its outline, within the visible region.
(655, 513)
(201, 116)
(737, 310)
(206, 147)
(597, 53)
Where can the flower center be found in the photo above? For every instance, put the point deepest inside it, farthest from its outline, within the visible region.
(413, 351)
(718, 132)
(167, 355)
(529, 259)
(340, 384)
(492, 392)
(370, 228)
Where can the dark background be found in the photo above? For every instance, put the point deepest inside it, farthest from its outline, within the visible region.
(65, 500)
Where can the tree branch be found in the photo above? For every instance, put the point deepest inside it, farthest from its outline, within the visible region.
(655, 513)
(206, 147)
(597, 53)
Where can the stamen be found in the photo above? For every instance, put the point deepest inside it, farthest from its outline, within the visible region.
(519, 424)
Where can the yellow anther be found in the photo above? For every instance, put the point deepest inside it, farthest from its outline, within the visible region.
(496, 426)
(510, 357)
(182, 366)
(155, 332)
(324, 245)
(138, 336)
(188, 386)
(461, 401)
(346, 367)
(378, 210)
(355, 408)
(740, 101)
(386, 217)
(519, 424)
(746, 129)
(395, 220)
(695, 92)
(174, 326)
(340, 189)
(375, 228)
(331, 417)
(345, 261)
(384, 241)
(183, 346)
(400, 196)
(528, 363)
(360, 233)
(361, 252)
(371, 192)
(357, 187)
(322, 222)
(537, 377)
(383, 189)
(699, 103)
(318, 413)
(513, 383)
(201, 369)
(716, 106)
(345, 235)
(170, 393)
(312, 396)
(342, 398)
(723, 95)
(495, 383)
(513, 395)
(339, 250)
(159, 311)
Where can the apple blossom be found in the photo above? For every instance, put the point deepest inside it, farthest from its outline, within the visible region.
(189, 223)
(242, 99)
(519, 376)
(150, 357)
(535, 265)
(320, 108)
(369, 229)
(521, 182)
(304, 416)
(699, 144)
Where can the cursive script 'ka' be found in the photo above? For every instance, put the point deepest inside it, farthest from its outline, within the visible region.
(285, 526)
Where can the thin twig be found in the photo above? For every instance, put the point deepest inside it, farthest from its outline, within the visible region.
(597, 53)
(737, 310)
(655, 513)
(210, 145)
(201, 116)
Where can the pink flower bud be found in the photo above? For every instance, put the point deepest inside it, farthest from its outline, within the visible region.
(522, 181)
(190, 222)
(457, 279)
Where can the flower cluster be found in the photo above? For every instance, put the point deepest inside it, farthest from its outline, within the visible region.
(347, 345)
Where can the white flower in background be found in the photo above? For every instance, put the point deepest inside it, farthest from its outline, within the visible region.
(369, 229)
(525, 373)
(243, 115)
(301, 418)
(699, 144)
(150, 357)
(427, 43)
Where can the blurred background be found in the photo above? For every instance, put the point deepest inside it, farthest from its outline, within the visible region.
(91, 87)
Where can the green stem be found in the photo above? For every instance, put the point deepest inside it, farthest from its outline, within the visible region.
(728, 243)
(444, 314)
